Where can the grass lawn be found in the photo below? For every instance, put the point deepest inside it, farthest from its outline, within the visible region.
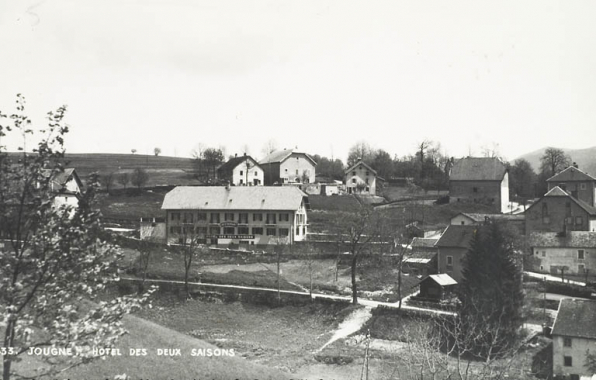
(130, 207)
(150, 336)
(333, 202)
(392, 194)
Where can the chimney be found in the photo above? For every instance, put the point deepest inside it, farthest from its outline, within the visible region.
(575, 165)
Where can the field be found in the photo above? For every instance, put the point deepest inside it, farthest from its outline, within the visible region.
(130, 207)
(394, 193)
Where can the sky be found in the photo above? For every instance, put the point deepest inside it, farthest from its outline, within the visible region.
(319, 75)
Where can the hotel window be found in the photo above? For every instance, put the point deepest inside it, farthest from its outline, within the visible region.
(214, 217)
(566, 342)
(353, 180)
(214, 230)
(270, 231)
(229, 230)
(242, 230)
(243, 218)
(579, 220)
(202, 216)
(284, 232)
(284, 217)
(567, 361)
(271, 219)
(257, 230)
(257, 217)
(580, 254)
(188, 217)
(297, 231)
(229, 216)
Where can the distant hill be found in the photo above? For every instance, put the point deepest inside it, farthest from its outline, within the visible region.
(162, 170)
(585, 158)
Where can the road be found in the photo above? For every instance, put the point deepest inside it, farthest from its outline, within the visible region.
(552, 278)
(361, 301)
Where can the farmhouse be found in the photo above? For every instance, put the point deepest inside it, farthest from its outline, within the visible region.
(235, 216)
(579, 184)
(574, 336)
(557, 211)
(573, 252)
(241, 171)
(452, 248)
(288, 166)
(362, 179)
(480, 180)
(66, 187)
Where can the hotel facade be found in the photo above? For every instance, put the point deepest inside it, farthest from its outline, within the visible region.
(235, 216)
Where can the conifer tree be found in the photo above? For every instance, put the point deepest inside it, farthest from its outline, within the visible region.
(491, 294)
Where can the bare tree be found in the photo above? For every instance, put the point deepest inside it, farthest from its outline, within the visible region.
(133, 151)
(493, 150)
(361, 229)
(362, 150)
(123, 179)
(139, 178)
(109, 181)
(144, 258)
(554, 160)
(190, 249)
(157, 151)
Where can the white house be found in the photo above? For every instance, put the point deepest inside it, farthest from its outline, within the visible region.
(241, 171)
(66, 188)
(288, 166)
(361, 179)
(574, 336)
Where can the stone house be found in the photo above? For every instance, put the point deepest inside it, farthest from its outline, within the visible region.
(558, 211)
(360, 178)
(241, 171)
(577, 183)
(574, 252)
(574, 336)
(480, 180)
(288, 166)
(452, 248)
(236, 215)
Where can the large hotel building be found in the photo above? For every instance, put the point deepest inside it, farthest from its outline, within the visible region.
(235, 215)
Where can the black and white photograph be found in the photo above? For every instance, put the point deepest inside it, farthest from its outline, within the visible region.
(298, 189)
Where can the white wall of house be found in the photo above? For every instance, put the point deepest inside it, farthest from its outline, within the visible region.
(255, 174)
(593, 225)
(505, 193)
(293, 169)
(363, 178)
(547, 258)
(461, 220)
(577, 353)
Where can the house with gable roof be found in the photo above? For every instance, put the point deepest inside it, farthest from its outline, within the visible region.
(577, 183)
(574, 337)
(362, 179)
(452, 248)
(558, 211)
(236, 215)
(573, 252)
(480, 180)
(288, 166)
(241, 171)
(66, 187)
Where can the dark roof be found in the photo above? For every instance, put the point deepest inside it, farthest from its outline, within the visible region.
(360, 162)
(233, 198)
(572, 239)
(482, 217)
(571, 174)
(419, 242)
(282, 155)
(576, 318)
(558, 192)
(457, 236)
(477, 169)
(61, 178)
(232, 163)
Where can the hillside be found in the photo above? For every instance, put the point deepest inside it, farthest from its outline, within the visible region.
(585, 158)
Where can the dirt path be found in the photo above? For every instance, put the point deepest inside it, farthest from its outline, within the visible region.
(350, 325)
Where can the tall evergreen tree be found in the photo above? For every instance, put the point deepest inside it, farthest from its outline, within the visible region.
(491, 294)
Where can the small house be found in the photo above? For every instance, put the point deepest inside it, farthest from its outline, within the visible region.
(360, 178)
(241, 171)
(577, 183)
(288, 166)
(437, 287)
